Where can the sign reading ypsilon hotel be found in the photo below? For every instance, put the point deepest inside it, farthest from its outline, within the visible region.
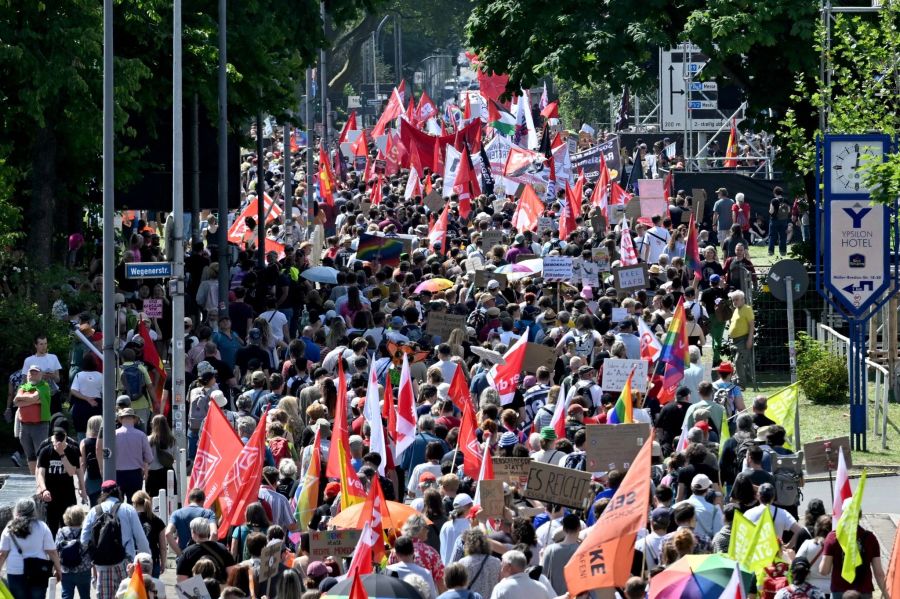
(857, 263)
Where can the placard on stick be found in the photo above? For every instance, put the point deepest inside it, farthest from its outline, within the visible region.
(698, 205)
(153, 307)
(554, 484)
(192, 588)
(269, 560)
(537, 355)
(557, 268)
(336, 543)
(434, 202)
(616, 371)
(482, 277)
(817, 457)
(512, 470)
(613, 447)
(490, 238)
(441, 325)
(627, 278)
(492, 500)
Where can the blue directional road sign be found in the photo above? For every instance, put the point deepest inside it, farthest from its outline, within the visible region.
(148, 270)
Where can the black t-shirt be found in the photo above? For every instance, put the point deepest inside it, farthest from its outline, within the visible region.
(56, 479)
(152, 527)
(239, 313)
(709, 296)
(217, 552)
(758, 477)
(687, 473)
(245, 354)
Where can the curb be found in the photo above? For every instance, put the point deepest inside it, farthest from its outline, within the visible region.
(852, 476)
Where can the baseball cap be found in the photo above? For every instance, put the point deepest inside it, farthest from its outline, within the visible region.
(725, 367)
(123, 401)
(493, 284)
(461, 499)
(701, 482)
(219, 397)
(661, 515)
(575, 409)
(34, 367)
(427, 476)
(714, 279)
(355, 440)
(332, 489)
(254, 334)
(702, 425)
(317, 570)
(258, 377)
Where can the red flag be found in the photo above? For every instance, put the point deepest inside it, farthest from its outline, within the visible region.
(486, 472)
(557, 141)
(360, 147)
(842, 490)
(438, 232)
(339, 434)
(551, 110)
(326, 178)
(467, 109)
(389, 413)
(218, 448)
(467, 182)
(529, 208)
(505, 377)
(376, 195)
(603, 559)
(406, 409)
(558, 420)
(391, 158)
(151, 357)
(468, 443)
(349, 126)
(411, 112)
(241, 484)
(426, 108)
(438, 159)
(393, 110)
(668, 183)
(415, 162)
(617, 195)
(732, 149)
(363, 555)
(459, 390)
(357, 591)
(600, 197)
(567, 218)
(428, 187)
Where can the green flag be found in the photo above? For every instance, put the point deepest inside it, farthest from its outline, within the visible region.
(846, 532)
(742, 531)
(781, 407)
(724, 435)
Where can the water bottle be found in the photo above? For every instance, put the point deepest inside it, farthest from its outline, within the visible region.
(304, 317)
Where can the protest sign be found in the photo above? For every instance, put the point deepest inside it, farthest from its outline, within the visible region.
(335, 543)
(619, 314)
(269, 560)
(557, 268)
(698, 204)
(492, 500)
(434, 202)
(153, 307)
(819, 454)
(482, 277)
(472, 264)
(545, 223)
(653, 200)
(632, 209)
(616, 211)
(379, 166)
(613, 446)
(537, 355)
(590, 274)
(554, 484)
(512, 470)
(192, 588)
(575, 280)
(616, 371)
(490, 238)
(589, 159)
(441, 325)
(600, 256)
(626, 278)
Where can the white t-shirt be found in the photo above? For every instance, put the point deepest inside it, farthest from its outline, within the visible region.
(656, 238)
(276, 320)
(89, 383)
(38, 542)
(47, 363)
(782, 518)
(413, 485)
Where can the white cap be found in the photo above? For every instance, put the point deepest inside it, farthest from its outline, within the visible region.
(219, 397)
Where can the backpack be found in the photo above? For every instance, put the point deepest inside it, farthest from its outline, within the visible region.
(741, 454)
(775, 580)
(702, 321)
(70, 553)
(724, 309)
(576, 461)
(199, 408)
(788, 477)
(476, 320)
(105, 546)
(784, 210)
(133, 382)
(584, 344)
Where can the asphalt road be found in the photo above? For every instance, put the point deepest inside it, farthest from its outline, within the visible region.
(880, 496)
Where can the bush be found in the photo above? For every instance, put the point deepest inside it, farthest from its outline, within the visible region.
(23, 320)
(823, 376)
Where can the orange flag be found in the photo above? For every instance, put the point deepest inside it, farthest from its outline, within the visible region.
(603, 560)
(732, 150)
(893, 571)
(357, 591)
(459, 390)
(136, 588)
(151, 357)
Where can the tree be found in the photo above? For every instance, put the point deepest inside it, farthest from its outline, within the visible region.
(758, 45)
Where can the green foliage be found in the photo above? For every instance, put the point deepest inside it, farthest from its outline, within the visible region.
(10, 214)
(583, 104)
(23, 320)
(823, 376)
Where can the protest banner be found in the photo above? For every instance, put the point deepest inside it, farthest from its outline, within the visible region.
(554, 484)
(192, 588)
(557, 268)
(492, 499)
(613, 446)
(512, 470)
(616, 371)
(818, 454)
(153, 307)
(626, 278)
(600, 256)
(537, 355)
(546, 223)
(441, 325)
(269, 560)
(589, 159)
(490, 238)
(482, 277)
(335, 543)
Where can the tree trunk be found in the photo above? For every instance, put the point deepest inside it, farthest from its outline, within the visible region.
(40, 211)
(349, 44)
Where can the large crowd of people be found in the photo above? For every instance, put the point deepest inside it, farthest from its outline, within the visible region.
(275, 353)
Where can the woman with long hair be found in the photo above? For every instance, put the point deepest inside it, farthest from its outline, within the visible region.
(90, 464)
(482, 567)
(27, 537)
(813, 549)
(353, 305)
(267, 340)
(434, 511)
(291, 585)
(256, 521)
(162, 445)
(154, 529)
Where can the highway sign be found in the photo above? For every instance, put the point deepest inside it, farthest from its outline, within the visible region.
(679, 69)
(148, 270)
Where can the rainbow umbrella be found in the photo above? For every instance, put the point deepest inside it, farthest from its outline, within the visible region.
(434, 285)
(696, 577)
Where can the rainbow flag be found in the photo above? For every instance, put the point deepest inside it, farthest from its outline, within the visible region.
(674, 355)
(385, 250)
(692, 251)
(136, 588)
(307, 495)
(623, 411)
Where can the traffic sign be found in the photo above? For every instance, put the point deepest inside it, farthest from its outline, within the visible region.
(678, 90)
(148, 270)
(856, 252)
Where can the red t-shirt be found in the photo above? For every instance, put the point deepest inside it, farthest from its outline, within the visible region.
(868, 547)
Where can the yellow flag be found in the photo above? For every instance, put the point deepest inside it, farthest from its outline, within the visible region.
(765, 546)
(846, 532)
(724, 435)
(781, 407)
(742, 531)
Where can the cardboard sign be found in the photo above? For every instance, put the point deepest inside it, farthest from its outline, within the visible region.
(269, 560)
(492, 499)
(613, 446)
(616, 371)
(434, 202)
(490, 238)
(557, 268)
(619, 314)
(482, 277)
(545, 223)
(192, 588)
(441, 325)
(472, 264)
(537, 355)
(590, 274)
(698, 205)
(563, 486)
(817, 458)
(632, 209)
(600, 256)
(626, 278)
(336, 543)
(153, 307)
(512, 470)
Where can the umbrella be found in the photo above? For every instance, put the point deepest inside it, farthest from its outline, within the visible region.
(320, 274)
(395, 516)
(434, 285)
(508, 269)
(490, 355)
(377, 586)
(696, 577)
(535, 264)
